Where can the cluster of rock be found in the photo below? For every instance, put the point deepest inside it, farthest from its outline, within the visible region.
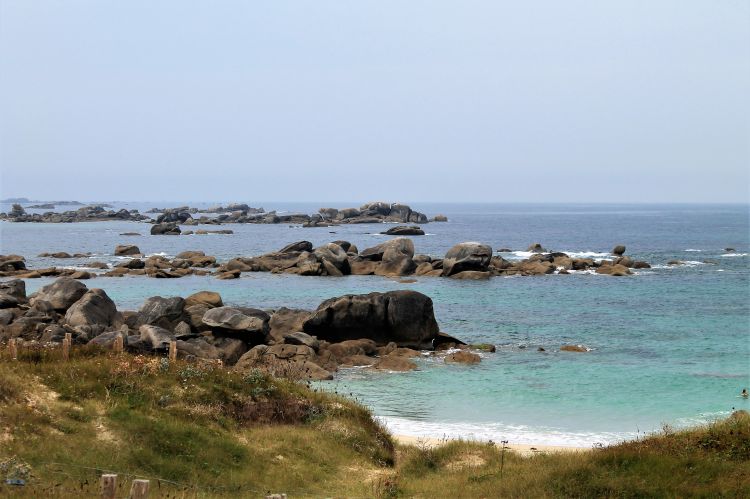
(397, 258)
(15, 266)
(376, 212)
(381, 330)
(83, 214)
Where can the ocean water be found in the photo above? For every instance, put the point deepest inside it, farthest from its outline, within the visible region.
(670, 345)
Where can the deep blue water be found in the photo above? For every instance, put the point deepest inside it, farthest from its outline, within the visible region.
(669, 345)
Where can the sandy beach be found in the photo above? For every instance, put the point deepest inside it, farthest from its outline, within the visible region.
(523, 449)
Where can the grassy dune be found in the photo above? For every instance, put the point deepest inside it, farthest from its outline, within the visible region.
(201, 431)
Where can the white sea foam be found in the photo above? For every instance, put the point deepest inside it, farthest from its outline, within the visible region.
(157, 254)
(693, 250)
(733, 254)
(683, 264)
(588, 254)
(515, 434)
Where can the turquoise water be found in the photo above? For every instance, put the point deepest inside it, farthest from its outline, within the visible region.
(669, 345)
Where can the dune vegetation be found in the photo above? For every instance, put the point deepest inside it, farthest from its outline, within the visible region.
(200, 430)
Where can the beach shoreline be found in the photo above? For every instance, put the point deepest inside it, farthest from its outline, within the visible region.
(522, 449)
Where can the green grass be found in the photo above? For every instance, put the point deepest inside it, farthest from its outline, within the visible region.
(203, 431)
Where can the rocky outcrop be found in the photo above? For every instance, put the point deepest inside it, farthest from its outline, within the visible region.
(403, 317)
(127, 250)
(469, 256)
(166, 229)
(404, 230)
(62, 293)
(83, 214)
(93, 308)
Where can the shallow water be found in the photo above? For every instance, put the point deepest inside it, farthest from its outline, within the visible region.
(669, 345)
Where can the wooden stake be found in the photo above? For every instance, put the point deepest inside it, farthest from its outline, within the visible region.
(119, 344)
(13, 349)
(172, 351)
(109, 486)
(67, 342)
(139, 489)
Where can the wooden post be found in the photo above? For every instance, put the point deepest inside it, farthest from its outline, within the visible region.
(109, 486)
(119, 344)
(172, 351)
(66, 345)
(13, 349)
(139, 489)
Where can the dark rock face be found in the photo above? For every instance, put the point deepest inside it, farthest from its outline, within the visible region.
(161, 311)
(94, 308)
(536, 248)
(618, 250)
(298, 246)
(334, 255)
(9, 263)
(397, 258)
(467, 256)
(167, 229)
(62, 293)
(404, 317)
(155, 337)
(15, 288)
(83, 214)
(175, 216)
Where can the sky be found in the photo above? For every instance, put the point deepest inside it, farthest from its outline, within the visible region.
(454, 101)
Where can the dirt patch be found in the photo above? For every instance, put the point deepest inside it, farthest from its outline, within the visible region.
(471, 460)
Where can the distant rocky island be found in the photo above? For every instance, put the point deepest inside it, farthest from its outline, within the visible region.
(375, 212)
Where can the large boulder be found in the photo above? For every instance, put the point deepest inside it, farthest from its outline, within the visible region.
(467, 256)
(169, 229)
(161, 311)
(127, 250)
(62, 293)
(94, 308)
(15, 288)
(404, 317)
(249, 324)
(286, 321)
(335, 256)
(397, 258)
(299, 246)
(155, 337)
(210, 298)
(404, 230)
(618, 250)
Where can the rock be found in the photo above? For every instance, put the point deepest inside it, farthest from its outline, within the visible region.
(133, 263)
(574, 348)
(641, 265)
(198, 347)
(467, 256)
(287, 321)
(625, 261)
(12, 262)
(290, 361)
(404, 317)
(230, 349)
(348, 348)
(484, 347)
(299, 246)
(403, 230)
(62, 293)
(195, 314)
(396, 259)
(613, 270)
(232, 318)
(730, 250)
(107, 340)
(161, 311)
(300, 338)
(440, 218)
(527, 267)
(168, 229)
(8, 301)
(209, 298)
(93, 308)
(81, 274)
(359, 266)
(618, 250)
(235, 274)
(130, 234)
(127, 250)
(357, 361)
(463, 357)
(15, 288)
(335, 255)
(155, 337)
(183, 331)
(393, 363)
(445, 341)
(7, 316)
(536, 248)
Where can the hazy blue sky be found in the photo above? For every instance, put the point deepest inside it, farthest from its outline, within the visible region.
(362, 100)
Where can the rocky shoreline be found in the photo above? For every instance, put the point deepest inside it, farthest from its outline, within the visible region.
(393, 258)
(381, 331)
(375, 212)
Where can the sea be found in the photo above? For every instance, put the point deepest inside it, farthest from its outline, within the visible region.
(669, 346)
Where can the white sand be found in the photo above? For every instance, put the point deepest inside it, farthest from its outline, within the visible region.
(525, 450)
